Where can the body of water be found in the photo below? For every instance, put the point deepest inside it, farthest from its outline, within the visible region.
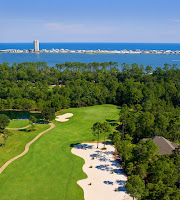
(94, 46)
(19, 114)
(155, 60)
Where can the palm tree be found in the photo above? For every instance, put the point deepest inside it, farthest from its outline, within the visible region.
(110, 64)
(95, 66)
(106, 129)
(97, 129)
(60, 66)
(5, 136)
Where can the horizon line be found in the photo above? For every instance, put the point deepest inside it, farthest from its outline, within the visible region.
(95, 42)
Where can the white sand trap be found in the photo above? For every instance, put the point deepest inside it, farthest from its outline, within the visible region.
(63, 118)
(103, 181)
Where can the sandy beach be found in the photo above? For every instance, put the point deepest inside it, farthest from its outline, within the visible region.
(104, 173)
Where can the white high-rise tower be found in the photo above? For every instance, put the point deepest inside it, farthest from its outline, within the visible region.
(36, 45)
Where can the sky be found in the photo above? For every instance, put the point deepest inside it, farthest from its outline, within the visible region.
(138, 21)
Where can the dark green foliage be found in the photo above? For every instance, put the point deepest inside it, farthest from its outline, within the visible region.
(5, 135)
(4, 121)
(146, 151)
(106, 128)
(141, 123)
(135, 186)
(101, 128)
(97, 130)
(151, 176)
(48, 114)
(32, 119)
(150, 103)
(125, 147)
(32, 127)
(33, 86)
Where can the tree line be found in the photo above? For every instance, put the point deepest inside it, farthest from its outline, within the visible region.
(26, 86)
(150, 176)
(150, 101)
(152, 95)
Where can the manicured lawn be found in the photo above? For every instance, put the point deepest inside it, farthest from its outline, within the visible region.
(49, 170)
(18, 123)
(15, 144)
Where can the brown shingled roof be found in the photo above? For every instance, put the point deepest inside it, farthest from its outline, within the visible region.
(165, 146)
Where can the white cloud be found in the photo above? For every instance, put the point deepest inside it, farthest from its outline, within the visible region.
(63, 27)
(172, 32)
(174, 20)
(80, 29)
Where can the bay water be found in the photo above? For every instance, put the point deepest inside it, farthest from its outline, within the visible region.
(155, 60)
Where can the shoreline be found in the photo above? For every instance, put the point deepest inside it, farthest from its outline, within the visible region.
(88, 53)
(62, 51)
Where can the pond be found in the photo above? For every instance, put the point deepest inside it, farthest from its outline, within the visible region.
(20, 114)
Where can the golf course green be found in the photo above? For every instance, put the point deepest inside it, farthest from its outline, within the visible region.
(18, 123)
(49, 170)
(16, 144)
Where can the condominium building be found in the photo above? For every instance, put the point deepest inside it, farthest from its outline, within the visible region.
(36, 45)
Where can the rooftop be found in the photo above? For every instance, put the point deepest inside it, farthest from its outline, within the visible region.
(165, 146)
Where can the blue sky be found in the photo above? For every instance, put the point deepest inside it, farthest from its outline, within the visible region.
(90, 21)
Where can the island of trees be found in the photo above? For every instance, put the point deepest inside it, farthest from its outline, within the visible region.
(150, 106)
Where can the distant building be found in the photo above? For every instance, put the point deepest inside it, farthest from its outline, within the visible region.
(165, 146)
(36, 45)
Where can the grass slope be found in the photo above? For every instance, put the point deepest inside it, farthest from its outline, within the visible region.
(16, 144)
(18, 123)
(49, 170)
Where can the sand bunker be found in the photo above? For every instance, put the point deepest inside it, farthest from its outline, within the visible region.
(104, 173)
(63, 118)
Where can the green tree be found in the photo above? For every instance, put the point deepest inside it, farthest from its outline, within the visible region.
(129, 168)
(105, 129)
(174, 128)
(147, 151)
(125, 148)
(161, 124)
(5, 135)
(117, 139)
(144, 124)
(164, 170)
(97, 130)
(32, 126)
(142, 170)
(4, 121)
(135, 186)
(148, 69)
(123, 117)
(48, 114)
(33, 119)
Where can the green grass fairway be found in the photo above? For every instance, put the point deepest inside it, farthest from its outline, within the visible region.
(18, 123)
(49, 170)
(15, 144)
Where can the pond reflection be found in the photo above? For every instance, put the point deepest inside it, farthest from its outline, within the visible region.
(20, 114)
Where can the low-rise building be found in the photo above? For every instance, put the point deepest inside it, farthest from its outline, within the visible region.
(165, 146)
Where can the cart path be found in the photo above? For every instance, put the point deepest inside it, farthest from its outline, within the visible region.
(18, 128)
(26, 148)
